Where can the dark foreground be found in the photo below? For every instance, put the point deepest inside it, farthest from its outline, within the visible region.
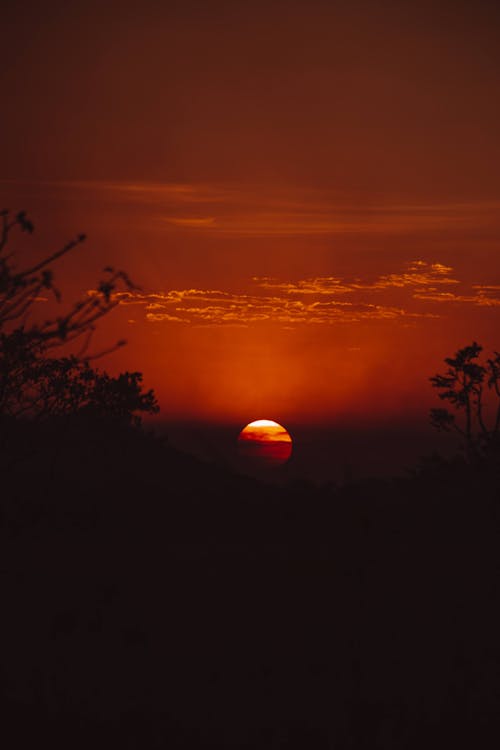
(152, 601)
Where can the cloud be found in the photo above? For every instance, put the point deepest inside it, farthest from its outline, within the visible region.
(493, 289)
(309, 302)
(482, 300)
(259, 211)
(234, 218)
(196, 222)
(320, 301)
(163, 318)
(237, 310)
(319, 285)
(418, 274)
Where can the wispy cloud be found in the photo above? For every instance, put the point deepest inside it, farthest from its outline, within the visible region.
(327, 300)
(248, 219)
(196, 222)
(203, 308)
(482, 300)
(418, 274)
(262, 211)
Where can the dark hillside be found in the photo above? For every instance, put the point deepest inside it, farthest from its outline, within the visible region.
(151, 600)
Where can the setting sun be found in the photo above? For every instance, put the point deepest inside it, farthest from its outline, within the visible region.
(265, 442)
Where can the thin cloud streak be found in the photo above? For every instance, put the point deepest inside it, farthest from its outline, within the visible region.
(480, 300)
(329, 221)
(259, 211)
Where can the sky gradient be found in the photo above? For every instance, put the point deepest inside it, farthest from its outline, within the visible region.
(306, 192)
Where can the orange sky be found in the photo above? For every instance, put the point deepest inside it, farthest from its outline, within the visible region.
(306, 192)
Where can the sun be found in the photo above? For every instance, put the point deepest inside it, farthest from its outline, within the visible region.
(265, 443)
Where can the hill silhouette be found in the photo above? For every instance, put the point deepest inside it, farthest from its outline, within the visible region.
(152, 600)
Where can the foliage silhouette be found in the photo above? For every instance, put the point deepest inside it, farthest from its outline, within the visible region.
(67, 386)
(34, 384)
(468, 385)
(20, 289)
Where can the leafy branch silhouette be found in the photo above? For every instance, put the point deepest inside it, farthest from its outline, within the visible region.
(34, 384)
(469, 385)
(20, 289)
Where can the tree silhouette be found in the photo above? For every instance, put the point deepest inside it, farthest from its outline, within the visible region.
(36, 385)
(469, 385)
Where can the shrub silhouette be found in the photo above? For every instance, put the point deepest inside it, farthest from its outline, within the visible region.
(468, 385)
(67, 386)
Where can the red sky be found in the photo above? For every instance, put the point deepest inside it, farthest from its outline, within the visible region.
(306, 192)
